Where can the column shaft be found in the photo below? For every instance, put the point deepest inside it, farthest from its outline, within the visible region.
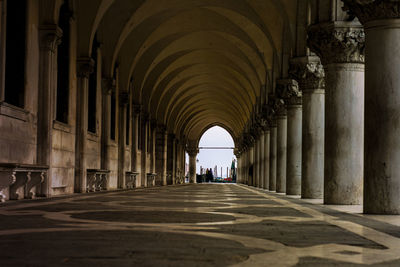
(312, 183)
(382, 117)
(266, 159)
(293, 172)
(272, 158)
(344, 125)
(281, 149)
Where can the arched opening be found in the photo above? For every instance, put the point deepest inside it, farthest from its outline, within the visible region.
(216, 147)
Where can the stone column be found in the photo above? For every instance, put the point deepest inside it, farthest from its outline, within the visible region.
(272, 143)
(135, 142)
(123, 104)
(174, 161)
(108, 86)
(381, 21)
(266, 158)
(261, 168)
(170, 159)
(251, 161)
(257, 160)
(340, 46)
(246, 166)
(192, 151)
(84, 68)
(144, 136)
(161, 154)
(288, 89)
(239, 169)
(50, 37)
(281, 148)
(309, 73)
(272, 157)
(153, 132)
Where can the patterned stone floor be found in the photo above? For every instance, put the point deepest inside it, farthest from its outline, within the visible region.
(192, 225)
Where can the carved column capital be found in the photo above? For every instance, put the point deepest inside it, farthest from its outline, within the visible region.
(161, 128)
(308, 72)
(288, 90)
(192, 151)
(153, 123)
(369, 10)
(337, 42)
(137, 109)
(268, 113)
(50, 37)
(108, 85)
(85, 67)
(248, 140)
(277, 105)
(171, 136)
(124, 99)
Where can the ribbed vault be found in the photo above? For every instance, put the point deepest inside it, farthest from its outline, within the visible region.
(191, 64)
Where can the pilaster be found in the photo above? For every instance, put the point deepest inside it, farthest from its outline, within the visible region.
(50, 38)
(85, 67)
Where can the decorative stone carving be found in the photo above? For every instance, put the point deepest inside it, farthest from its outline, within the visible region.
(277, 105)
(50, 37)
(192, 151)
(368, 10)
(288, 90)
(23, 180)
(257, 128)
(108, 85)
(161, 128)
(151, 179)
(123, 98)
(97, 180)
(153, 124)
(268, 113)
(130, 179)
(7, 178)
(337, 42)
(85, 67)
(137, 109)
(308, 72)
(145, 116)
(248, 140)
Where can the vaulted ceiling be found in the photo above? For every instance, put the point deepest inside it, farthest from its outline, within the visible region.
(192, 64)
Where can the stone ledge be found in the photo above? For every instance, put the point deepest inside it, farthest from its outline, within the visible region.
(13, 111)
(57, 125)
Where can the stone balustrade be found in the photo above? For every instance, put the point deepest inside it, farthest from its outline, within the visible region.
(130, 179)
(19, 181)
(151, 179)
(97, 180)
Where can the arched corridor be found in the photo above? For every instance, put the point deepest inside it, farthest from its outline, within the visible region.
(108, 95)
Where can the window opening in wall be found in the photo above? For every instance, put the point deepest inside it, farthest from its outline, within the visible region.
(112, 122)
(92, 118)
(63, 64)
(127, 124)
(15, 53)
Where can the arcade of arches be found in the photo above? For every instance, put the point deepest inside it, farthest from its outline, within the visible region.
(115, 91)
(110, 94)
